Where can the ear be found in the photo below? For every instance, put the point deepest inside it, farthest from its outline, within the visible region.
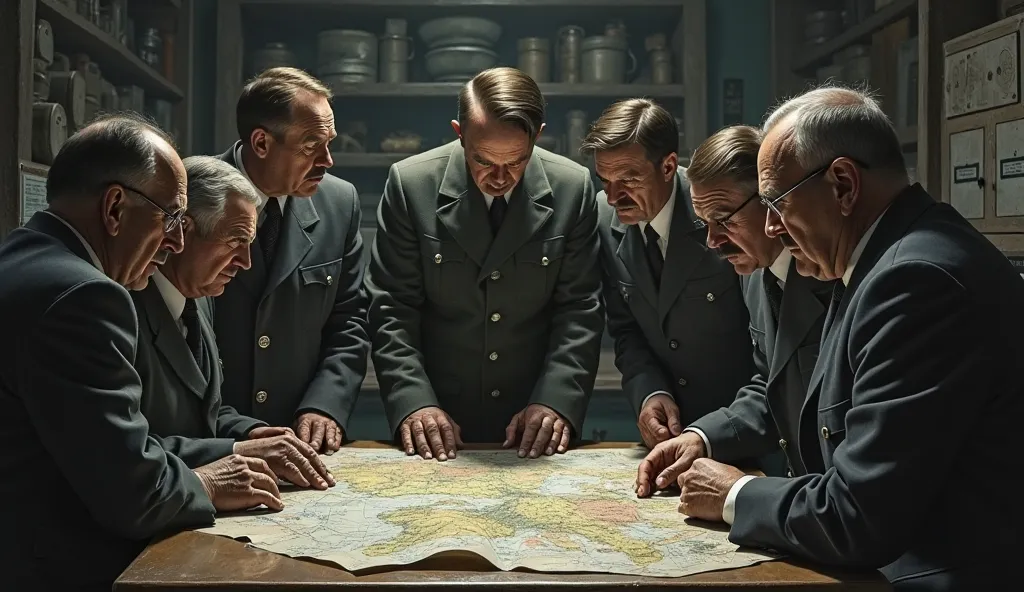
(260, 142)
(539, 132)
(845, 178)
(114, 204)
(669, 166)
(457, 128)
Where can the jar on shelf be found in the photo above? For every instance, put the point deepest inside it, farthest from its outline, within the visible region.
(569, 53)
(535, 58)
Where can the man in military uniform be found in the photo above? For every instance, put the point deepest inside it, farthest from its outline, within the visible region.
(484, 283)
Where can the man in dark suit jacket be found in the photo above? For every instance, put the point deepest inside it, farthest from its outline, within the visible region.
(292, 328)
(178, 358)
(484, 283)
(675, 309)
(82, 485)
(786, 315)
(917, 394)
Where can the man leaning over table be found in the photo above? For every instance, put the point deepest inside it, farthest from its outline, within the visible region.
(916, 397)
(178, 359)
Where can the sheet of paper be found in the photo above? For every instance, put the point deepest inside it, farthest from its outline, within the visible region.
(568, 513)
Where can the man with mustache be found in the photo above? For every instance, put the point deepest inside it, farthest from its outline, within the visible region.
(178, 358)
(292, 328)
(675, 308)
(787, 310)
(486, 309)
(83, 486)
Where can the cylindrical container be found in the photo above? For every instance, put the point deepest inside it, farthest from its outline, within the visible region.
(68, 89)
(49, 131)
(604, 60)
(151, 47)
(44, 41)
(60, 63)
(661, 66)
(272, 55)
(535, 58)
(570, 48)
(575, 131)
(395, 53)
(336, 44)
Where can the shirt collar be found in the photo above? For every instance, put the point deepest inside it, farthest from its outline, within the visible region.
(780, 267)
(173, 297)
(264, 198)
(88, 248)
(662, 223)
(855, 256)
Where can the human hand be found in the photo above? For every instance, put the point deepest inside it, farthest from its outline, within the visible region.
(289, 458)
(237, 482)
(319, 431)
(269, 431)
(542, 430)
(705, 487)
(659, 420)
(431, 432)
(667, 461)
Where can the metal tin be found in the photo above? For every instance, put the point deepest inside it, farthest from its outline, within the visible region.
(661, 66)
(395, 53)
(68, 89)
(44, 41)
(568, 58)
(272, 55)
(604, 60)
(535, 58)
(49, 131)
(336, 44)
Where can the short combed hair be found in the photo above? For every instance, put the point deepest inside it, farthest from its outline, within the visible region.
(507, 95)
(266, 100)
(634, 121)
(730, 154)
(113, 148)
(210, 182)
(833, 121)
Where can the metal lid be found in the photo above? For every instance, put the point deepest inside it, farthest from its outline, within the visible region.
(348, 66)
(604, 42)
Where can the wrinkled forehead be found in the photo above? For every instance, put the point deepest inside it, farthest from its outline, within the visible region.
(777, 166)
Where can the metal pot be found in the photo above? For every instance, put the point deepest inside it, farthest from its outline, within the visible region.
(535, 58)
(604, 60)
(459, 63)
(337, 44)
(460, 30)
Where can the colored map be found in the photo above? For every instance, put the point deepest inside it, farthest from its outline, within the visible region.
(569, 513)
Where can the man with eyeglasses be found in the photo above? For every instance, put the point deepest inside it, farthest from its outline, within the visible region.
(82, 484)
(917, 396)
(786, 315)
(675, 308)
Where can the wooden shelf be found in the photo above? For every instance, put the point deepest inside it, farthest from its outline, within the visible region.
(550, 90)
(118, 64)
(632, 4)
(365, 160)
(808, 59)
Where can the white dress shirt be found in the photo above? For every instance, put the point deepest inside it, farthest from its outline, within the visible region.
(729, 510)
(88, 248)
(173, 298)
(662, 224)
(264, 198)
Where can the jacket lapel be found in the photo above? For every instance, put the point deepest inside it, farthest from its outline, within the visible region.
(686, 248)
(212, 400)
(801, 310)
(464, 213)
(299, 216)
(631, 253)
(766, 315)
(170, 343)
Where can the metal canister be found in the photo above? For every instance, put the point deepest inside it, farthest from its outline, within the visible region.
(68, 89)
(44, 41)
(575, 131)
(535, 58)
(40, 80)
(337, 44)
(661, 66)
(49, 131)
(569, 50)
(604, 60)
(272, 55)
(151, 47)
(395, 53)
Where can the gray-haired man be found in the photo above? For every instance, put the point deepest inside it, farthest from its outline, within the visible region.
(177, 357)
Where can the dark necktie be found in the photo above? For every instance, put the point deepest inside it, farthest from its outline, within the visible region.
(193, 334)
(654, 256)
(833, 307)
(499, 205)
(774, 292)
(270, 231)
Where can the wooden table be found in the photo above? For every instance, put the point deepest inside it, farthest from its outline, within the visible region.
(197, 561)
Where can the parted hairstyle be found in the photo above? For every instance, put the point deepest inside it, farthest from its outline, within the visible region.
(211, 181)
(507, 95)
(266, 100)
(113, 148)
(730, 154)
(634, 121)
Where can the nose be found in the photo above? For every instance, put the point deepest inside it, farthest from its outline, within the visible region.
(325, 160)
(773, 224)
(245, 257)
(614, 195)
(716, 235)
(175, 239)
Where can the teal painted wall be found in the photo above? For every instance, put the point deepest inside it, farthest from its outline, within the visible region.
(739, 46)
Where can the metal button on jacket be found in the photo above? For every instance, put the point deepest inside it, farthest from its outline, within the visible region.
(782, 444)
(261, 396)
(673, 344)
(264, 342)
(682, 382)
(493, 356)
(544, 261)
(495, 393)
(495, 317)
(824, 432)
(330, 280)
(495, 275)
(710, 297)
(437, 258)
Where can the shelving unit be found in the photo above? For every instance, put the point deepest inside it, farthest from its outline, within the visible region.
(74, 33)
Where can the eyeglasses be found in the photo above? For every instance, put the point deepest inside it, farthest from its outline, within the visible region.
(724, 222)
(772, 204)
(172, 220)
